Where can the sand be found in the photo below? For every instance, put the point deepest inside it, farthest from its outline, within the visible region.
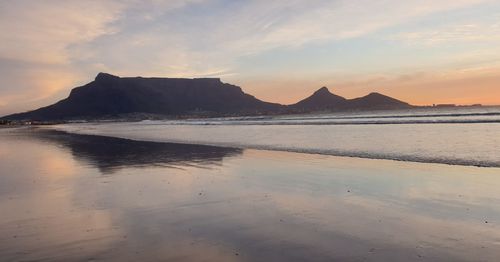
(74, 197)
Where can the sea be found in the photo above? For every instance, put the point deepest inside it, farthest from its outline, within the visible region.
(467, 136)
(416, 185)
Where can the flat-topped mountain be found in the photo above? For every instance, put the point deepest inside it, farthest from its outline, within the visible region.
(110, 96)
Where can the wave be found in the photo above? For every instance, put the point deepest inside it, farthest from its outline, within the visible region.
(371, 155)
(317, 122)
(350, 119)
(467, 137)
(396, 116)
(423, 157)
(342, 153)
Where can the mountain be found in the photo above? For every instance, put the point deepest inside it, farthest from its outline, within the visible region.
(322, 99)
(111, 96)
(376, 101)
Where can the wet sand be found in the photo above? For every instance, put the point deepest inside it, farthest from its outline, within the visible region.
(70, 197)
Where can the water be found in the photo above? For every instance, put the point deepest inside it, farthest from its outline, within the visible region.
(461, 136)
(67, 197)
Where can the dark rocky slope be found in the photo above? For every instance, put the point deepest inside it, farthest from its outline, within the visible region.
(109, 96)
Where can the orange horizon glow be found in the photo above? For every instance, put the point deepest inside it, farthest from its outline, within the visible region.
(484, 90)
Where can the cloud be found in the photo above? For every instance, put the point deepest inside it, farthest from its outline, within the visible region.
(472, 33)
(40, 31)
(297, 23)
(179, 38)
(210, 36)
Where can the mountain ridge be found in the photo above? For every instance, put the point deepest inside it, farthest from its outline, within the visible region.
(113, 97)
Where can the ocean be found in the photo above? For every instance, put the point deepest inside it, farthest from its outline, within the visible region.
(226, 190)
(459, 136)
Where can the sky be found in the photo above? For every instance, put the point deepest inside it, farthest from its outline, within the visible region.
(420, 51)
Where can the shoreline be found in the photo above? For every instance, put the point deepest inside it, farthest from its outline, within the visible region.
(84, 197)
(340, 156)
(107, 130)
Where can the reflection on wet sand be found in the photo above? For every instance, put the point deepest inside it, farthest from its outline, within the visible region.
(109, 153)
(248, 206)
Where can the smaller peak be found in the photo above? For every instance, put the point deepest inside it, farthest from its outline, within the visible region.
(322, 90)
(104, 76)
(375, 94)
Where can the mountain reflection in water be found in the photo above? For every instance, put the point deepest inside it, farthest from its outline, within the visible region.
(109, 154)
(251, 205)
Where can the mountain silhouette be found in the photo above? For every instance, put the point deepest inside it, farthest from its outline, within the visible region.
(377, 101)
(322, 99)
(110, 96)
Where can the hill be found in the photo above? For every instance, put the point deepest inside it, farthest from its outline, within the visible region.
(377, 101)
(322, 99)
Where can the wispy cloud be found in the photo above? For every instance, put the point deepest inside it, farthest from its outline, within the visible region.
(43, 41)
(211, 35)
(475, 33)
(40, 31)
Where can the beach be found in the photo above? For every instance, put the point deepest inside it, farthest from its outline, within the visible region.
(70, 197)
(282, 131)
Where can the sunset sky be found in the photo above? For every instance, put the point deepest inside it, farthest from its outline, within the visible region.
(420, 51)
